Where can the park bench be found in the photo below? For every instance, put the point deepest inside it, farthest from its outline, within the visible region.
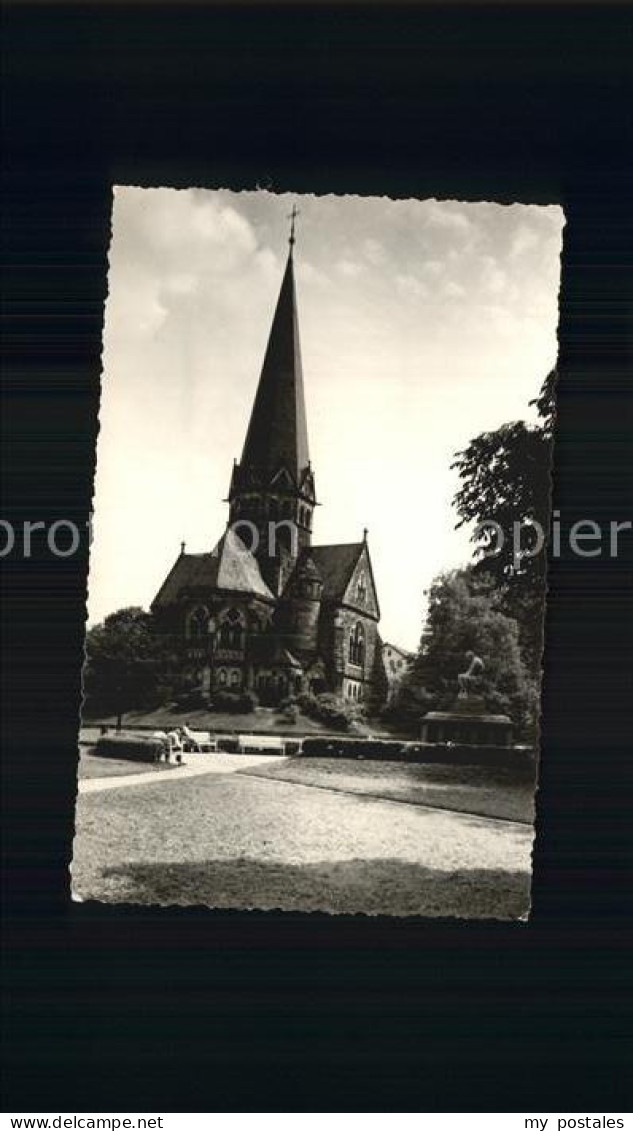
(205, 740)
(255, 743)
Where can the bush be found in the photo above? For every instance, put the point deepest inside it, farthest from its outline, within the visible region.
(135, 748)
(234, 703)
(290, 713)
(328, 709)
(289, 701)
(192, 701)
(248, 702)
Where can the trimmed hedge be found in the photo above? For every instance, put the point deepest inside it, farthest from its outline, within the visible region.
(293, 746)
(390, 750)
(228, 743)
(134, 748)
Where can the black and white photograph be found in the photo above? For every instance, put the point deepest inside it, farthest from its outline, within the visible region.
(317, 572)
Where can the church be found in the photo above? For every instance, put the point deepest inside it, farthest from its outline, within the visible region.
(266, 610)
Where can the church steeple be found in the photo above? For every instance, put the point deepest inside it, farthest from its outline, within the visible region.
(278, 434)
(273, 481)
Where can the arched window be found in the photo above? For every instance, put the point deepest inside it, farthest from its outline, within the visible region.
(356, 650)
(198, 623)
(222, 677)
(235, 678)
(361, 589)
(231, 631)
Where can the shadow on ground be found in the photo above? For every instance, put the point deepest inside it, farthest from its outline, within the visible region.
(382, 886)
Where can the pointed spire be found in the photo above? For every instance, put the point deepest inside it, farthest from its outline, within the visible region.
(277, 434)
(292, 217)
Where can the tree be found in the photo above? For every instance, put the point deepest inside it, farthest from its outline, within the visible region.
(126, 662)
(505, 480)
(464, 614)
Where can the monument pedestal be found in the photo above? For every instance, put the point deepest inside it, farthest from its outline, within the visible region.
(467, 723)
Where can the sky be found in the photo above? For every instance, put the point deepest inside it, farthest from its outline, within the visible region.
(422, 324)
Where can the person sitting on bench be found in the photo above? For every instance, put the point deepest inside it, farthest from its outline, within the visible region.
(175, 743)
(188, 739)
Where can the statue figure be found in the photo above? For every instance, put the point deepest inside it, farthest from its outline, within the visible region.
(468, 682)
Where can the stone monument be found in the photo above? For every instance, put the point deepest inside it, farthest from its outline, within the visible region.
(467, 722)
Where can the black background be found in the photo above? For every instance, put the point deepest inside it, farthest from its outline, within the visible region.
(116, 1008)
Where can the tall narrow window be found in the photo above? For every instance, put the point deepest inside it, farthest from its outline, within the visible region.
(232, 631)
(356, 650)
(198, 623)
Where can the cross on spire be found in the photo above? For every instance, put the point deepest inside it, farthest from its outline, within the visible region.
(292, 216)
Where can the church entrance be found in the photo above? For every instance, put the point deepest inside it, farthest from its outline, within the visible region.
(271, 688)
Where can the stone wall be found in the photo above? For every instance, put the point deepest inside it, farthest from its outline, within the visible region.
(335, 636)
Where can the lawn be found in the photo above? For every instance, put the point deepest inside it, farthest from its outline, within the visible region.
(91, 766)
(264, 720)
(487, 791)
(237, 841)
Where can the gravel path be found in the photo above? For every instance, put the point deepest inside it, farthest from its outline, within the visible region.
(227, 840)
(194, 766)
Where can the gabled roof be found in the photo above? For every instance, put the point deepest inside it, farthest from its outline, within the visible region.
(404, 652)
(230, 565)
(277, 434)
(270, 649)
(305, 567)
(336, 565)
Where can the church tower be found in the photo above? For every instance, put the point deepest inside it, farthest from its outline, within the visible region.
(266, 611)
(272, 497)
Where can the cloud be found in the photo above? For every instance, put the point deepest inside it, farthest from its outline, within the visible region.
(433, 267)
(374, 252)
(348, 268)
(177, 250)
(453, 290)
(181, 284)
(166, 223)
(307, 273)
(448, 216)
(524, 239)
(411, 286)
(494, 280)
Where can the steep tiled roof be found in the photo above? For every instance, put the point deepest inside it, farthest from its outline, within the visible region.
(335, 565)
(229, 566)
(277, 434)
